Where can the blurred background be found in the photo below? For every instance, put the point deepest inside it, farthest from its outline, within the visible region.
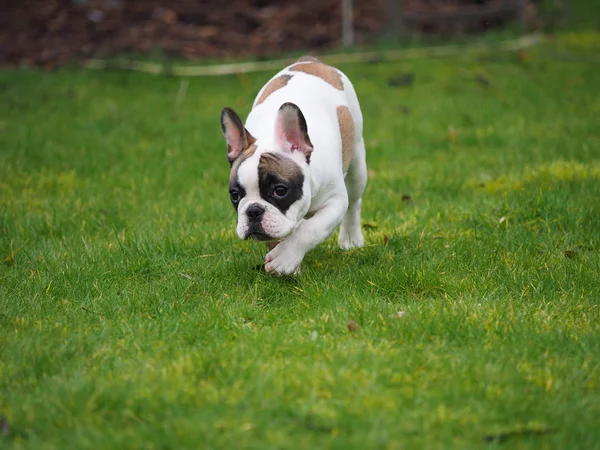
(53, 32)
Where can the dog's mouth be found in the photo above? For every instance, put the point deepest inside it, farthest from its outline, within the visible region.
(258, 236)
(257, 233)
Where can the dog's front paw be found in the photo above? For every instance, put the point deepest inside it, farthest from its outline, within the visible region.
(348, 240)
(284, 259)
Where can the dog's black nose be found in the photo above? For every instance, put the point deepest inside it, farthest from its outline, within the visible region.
(255, 211)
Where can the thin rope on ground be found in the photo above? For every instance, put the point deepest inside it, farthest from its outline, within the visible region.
(521, 43)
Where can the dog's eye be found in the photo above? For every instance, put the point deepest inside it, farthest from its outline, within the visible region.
(280, 191)
(235, 195)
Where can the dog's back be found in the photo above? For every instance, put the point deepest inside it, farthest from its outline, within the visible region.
(327, 98)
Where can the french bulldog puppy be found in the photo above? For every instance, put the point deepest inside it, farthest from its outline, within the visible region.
(298, 168)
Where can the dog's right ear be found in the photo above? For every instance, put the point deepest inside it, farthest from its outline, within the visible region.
(238, 138)
(291, 132)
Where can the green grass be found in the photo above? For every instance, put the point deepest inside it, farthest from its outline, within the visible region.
(131, 315)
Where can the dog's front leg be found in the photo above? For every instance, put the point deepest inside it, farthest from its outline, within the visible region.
(286, 257)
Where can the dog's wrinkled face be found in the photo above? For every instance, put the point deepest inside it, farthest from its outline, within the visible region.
(271, 194)
(269, 188)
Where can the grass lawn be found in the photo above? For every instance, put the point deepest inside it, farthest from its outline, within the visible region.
(131, 315)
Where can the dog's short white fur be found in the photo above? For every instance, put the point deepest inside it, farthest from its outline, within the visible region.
(330, 193)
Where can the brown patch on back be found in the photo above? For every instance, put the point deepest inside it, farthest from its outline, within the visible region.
(307, 58)
(273, 86)
(323, 71)
(346, 124)
(240, 159)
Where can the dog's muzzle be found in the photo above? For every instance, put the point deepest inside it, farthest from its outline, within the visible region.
(255, 213)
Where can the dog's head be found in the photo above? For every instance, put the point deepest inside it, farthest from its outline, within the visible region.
(269, 184)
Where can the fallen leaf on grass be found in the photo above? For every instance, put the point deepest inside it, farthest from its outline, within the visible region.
(569, 254)
(352, 326)
(311, 423)
(523, 57)
(404, 109)
(4, 427)
(502, 437)
(452, 134)
(319, 428)
(10, 259)
(374, 59)
(6, 431)
(406, 79)
(90, 311)
(483, 80)
(369, 226)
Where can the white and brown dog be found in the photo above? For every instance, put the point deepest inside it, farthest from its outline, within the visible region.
(298, 167)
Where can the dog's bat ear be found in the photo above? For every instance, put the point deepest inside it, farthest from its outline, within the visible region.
(238, 138)
(291, 132)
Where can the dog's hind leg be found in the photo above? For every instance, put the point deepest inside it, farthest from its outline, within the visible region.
(356, 181)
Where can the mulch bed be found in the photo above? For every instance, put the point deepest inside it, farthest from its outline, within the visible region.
(53, 32)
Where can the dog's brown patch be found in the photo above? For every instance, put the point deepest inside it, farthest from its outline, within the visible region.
(323, 71)
(307, 58)
(236, 164)
(284, 167)
(273, 86)
(346, 125)
(275, 169)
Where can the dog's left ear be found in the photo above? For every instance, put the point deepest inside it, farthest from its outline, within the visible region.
(291, 132)
(238, 138)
